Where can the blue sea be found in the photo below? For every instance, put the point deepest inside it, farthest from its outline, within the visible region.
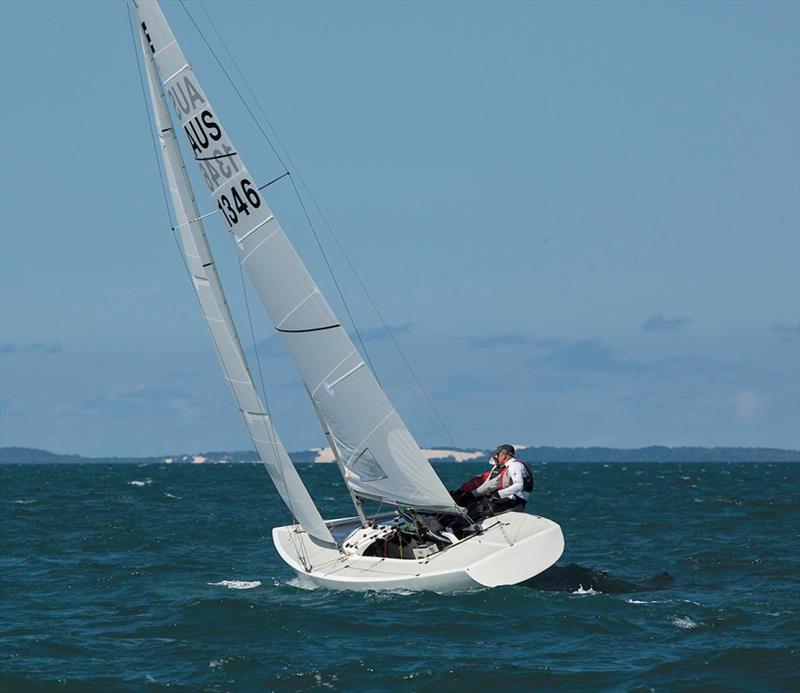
(163, 577)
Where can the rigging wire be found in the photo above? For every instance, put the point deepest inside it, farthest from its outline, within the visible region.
(318, 210)
(283, 164)
(301, 553)
(152, 129)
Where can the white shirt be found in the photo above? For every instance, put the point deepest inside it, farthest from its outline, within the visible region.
(515, 471)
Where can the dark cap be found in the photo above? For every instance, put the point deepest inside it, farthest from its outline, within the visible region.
(508, 449)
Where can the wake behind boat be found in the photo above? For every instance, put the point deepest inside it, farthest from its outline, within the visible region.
(378, 458)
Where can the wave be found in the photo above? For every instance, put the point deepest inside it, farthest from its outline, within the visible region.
(297, 582)
(237, 584)
(136, 482)
(26, 502)
(580, 590)
(573, 578)
(662, 601)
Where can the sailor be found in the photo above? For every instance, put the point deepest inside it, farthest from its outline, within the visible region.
(463, 496)
(508, 486)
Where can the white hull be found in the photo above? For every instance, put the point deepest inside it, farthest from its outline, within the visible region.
(512, 548)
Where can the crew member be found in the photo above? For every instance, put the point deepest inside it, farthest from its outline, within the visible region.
(508, 486)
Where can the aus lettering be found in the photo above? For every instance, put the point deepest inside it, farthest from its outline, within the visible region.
(201, 131)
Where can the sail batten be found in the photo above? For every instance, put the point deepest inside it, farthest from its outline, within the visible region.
(219, 322)
(382, 459)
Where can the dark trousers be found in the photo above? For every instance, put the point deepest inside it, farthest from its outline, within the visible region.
(499, 505)
(479, 507)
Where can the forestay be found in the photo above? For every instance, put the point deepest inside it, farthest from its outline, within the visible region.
(205, 280)
(382, 460)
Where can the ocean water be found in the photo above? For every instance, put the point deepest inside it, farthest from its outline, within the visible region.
(143, 578)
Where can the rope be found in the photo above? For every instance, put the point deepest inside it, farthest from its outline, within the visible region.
(301, 550)
(280, 159)
(152, 128)
(321, 214)
(302, 554)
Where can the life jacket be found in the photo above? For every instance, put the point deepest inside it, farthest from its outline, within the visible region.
(527, 480)
(476, 481)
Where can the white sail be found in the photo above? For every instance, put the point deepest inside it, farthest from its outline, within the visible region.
(382, 460)
(205, 280)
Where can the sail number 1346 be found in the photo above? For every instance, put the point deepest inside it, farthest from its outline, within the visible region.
(238, 200)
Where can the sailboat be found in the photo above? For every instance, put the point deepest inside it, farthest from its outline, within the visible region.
(407, 547)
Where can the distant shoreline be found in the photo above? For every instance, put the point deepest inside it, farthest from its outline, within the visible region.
(656, 453)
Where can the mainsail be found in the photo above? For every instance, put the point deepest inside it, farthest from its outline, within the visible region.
(200, 264)
(382, 461)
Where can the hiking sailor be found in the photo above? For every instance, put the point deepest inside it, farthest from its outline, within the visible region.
(506, 486)
(510, 487)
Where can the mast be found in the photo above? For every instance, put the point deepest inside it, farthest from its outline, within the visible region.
(380, 457)
(205, 280)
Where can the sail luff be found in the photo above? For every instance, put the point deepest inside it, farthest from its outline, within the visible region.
(202, 271)
(381, 457)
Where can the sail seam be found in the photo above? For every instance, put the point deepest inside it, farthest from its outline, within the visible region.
(175, 74)
(259, 244)
(254, 229)
(369, 435)
(169, 45)
(227, 182)
(270, 443)
(314, 291)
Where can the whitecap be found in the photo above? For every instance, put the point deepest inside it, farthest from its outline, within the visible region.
(297, 582)
(136, 482)
(580, 590)
(237, 584)
(387, 594)
(169, 495)
(663, 601)
(26, 502)
(684, 622)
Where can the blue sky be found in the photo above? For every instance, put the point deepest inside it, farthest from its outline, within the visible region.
(582, 219)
